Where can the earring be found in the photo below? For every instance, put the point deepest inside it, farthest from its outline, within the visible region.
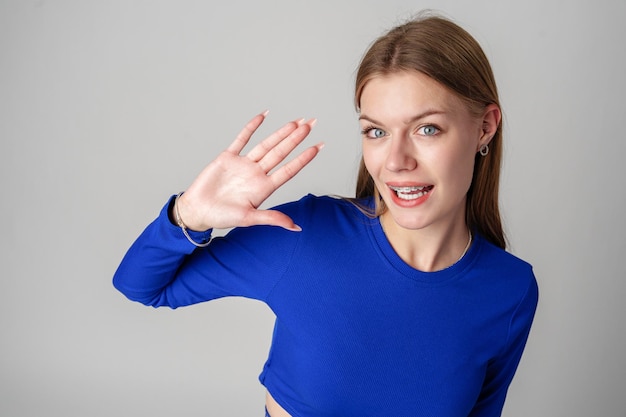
(484, 150)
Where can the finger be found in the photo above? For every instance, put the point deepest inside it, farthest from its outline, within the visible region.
(290, 169)
(265, 146)
(246, 133)
(272, 218)
(279, 153)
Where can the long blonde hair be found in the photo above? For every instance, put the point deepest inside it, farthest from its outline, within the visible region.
(448, 54)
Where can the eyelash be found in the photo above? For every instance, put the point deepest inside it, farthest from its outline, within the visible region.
(369, 128)
(437, 130)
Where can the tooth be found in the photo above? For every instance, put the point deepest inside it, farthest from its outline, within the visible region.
(407, 189)
(411, 196)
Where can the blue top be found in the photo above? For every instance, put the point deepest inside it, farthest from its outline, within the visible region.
(358, 331)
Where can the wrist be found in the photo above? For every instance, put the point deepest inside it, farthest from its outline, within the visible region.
(175, 214)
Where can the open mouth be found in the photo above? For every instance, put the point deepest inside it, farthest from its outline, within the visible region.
(411, 193)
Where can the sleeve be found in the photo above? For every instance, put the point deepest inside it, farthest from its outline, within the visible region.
(162, 268)
(501, 369)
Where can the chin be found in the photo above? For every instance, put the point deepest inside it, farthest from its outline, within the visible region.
(407, 221)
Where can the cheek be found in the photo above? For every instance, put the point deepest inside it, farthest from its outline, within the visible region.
(458, 168)
(465, 173)
(371, 159)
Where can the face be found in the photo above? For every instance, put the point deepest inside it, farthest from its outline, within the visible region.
(419, 144)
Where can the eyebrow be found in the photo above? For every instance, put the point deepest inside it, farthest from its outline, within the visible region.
(411, 120)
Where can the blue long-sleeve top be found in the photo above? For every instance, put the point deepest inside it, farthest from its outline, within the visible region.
(358, 331)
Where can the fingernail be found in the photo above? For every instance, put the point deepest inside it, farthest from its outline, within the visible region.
(295, 228)
(265, 113)
(312, 122)
(300, 122)
(320, 146)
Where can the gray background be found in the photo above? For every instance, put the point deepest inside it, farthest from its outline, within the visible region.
(107, 108)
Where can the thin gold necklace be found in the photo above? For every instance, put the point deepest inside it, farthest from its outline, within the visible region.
(469, 242)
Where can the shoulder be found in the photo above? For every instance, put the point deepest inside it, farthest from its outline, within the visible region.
(322, 206)
(510, 273)
(325, 216)
(312, 213)
(501, 259)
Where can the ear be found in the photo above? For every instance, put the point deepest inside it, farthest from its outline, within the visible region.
(490, 122)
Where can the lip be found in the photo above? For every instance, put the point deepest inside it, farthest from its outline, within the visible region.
(409, 188)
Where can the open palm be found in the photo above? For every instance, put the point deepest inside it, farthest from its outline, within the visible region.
(228, 192)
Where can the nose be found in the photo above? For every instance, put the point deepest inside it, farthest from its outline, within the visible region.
(401, 156)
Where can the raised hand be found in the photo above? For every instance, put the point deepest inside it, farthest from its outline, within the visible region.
(228, 192)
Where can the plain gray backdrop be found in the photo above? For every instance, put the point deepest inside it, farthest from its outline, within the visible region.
(109, 107)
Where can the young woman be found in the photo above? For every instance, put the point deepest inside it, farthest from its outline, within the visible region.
(401, 301)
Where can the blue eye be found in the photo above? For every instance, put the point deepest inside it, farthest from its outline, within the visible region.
(429, 130)
(378, 133)
(373, 132)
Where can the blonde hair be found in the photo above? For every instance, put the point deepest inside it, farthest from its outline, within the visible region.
(448, 54)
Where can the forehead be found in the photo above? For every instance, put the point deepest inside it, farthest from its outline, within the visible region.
(408, 91)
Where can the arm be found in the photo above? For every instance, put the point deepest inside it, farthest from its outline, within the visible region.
(162, 268)
(501, 369)
(160, 265)
(153, 261)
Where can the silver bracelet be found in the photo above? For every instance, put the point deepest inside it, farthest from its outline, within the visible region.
(182, 225)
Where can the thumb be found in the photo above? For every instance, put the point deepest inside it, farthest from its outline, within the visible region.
(273, 218)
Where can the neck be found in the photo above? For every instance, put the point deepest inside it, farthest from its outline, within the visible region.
(429, 249)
